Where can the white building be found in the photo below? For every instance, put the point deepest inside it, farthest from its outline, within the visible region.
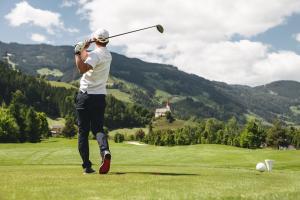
(161, 112)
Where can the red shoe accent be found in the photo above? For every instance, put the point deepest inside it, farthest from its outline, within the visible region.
(104, 168)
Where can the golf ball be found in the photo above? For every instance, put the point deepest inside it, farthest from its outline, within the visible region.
(261, 167)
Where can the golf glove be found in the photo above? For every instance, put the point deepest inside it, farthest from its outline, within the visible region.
(80, 46)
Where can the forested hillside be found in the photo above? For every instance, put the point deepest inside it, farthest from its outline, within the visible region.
(59, 102)
(38, 93)
(151, 85)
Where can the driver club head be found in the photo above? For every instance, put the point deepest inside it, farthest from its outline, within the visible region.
(160, 28)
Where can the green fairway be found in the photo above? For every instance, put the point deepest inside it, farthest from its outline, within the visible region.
(51, 170)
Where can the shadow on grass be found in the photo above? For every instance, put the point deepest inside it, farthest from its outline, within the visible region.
(155, 173)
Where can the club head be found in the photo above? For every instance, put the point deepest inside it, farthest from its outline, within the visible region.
(160, 28)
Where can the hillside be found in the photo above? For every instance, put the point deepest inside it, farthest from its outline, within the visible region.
(56, 100)
(289, 89)
(151, 84)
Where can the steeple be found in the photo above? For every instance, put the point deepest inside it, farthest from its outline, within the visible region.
(168, 105)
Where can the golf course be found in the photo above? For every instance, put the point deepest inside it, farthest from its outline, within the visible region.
(51, 170)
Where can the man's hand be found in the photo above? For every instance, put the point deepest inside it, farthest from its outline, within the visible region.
(80, 46)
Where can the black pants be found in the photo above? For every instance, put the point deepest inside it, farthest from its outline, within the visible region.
(90, 114)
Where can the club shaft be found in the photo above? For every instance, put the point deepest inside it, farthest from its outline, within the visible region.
(132, 31)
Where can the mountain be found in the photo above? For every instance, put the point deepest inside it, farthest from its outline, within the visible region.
(289, 89)
(152, 84)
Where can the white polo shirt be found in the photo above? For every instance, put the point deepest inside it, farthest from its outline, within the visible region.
(94, 80)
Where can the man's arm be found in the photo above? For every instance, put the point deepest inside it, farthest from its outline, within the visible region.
(81, 66)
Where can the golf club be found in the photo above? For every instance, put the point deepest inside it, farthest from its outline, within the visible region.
(159, 28)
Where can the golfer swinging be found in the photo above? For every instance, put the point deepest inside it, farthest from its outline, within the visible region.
(90, 101)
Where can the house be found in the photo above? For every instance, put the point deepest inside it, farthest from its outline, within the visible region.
(161, 112)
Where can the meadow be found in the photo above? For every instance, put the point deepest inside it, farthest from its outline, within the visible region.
(51, 170)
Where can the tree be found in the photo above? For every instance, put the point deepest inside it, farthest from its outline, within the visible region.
(150, 127)
(296, 139)
(32, 126)
(182, 137)
(139, 135)
(169, 117)
(252, 136)
(69, 130)
(118, 114)
(231, 132)
(220, 136)
(18, 109)
(168, 137)
(43, 125)
(119, 138)
(211, 128)
(9, 130)
(277, 134)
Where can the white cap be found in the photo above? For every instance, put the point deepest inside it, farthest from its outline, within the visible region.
(101, 35)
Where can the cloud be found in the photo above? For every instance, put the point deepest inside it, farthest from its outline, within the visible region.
(297, 37)
(24, 13)
(67, 3)
(198, 37)
(283, 65)
(36, 37)
(72, 30)
(244, 62)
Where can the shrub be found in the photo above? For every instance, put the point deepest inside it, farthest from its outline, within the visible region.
(69, 130)
(119, 138)
(9, 129)
(169, 117)
(139, 135)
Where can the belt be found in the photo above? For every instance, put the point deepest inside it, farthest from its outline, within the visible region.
(80, 92)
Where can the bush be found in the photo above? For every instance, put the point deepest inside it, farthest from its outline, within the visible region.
(119, 138)
(140, 135)
(32, 129)
(69, 130)
(131, 137)
(9, 130)
(170, 117)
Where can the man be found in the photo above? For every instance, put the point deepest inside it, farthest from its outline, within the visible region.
(90, 101)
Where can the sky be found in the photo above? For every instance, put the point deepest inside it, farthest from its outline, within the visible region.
(234, 41)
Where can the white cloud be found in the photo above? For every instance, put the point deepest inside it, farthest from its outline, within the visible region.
(36, 37)
(244, 62)
(67, 3)
(198, 33)
(283, 65)
(297, 37)
(72, 30)
(24, 13)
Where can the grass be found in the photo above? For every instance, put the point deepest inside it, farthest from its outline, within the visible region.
(47, 71)
(62, 84)
(162, 123)
(122, 96)
(56, 122)
(51, 170)
(162, 95)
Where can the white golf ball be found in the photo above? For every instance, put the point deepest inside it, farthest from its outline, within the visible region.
(261, 167)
